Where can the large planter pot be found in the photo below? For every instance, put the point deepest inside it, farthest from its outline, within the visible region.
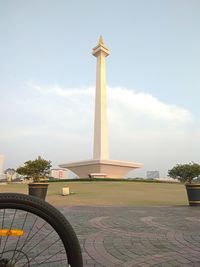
(38, 190)
(193, 193)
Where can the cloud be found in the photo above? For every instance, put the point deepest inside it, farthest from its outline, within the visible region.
(127, 109)
(58, 122)
(131, 101)
(63, 92)
(147, 105)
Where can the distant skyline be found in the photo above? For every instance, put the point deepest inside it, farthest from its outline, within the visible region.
(47, 80)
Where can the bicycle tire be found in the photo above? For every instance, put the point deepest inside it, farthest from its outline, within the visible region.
(19, 203)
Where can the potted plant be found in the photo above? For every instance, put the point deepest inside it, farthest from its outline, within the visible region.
(37, 171)
(186, 174)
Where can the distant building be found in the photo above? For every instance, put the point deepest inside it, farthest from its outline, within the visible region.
(10, 174)
(153, 174)
(1, 166)
(59, 173)
(1, 163)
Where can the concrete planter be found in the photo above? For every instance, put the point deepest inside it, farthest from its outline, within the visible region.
(193, 193)
(38, 190)
(65, 191)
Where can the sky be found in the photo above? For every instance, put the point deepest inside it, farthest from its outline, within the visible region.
(47, 80)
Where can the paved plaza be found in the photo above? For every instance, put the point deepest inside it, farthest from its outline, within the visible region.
(137, 236)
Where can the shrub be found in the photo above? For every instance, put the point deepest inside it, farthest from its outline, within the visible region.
(185, 172)
(35, 169)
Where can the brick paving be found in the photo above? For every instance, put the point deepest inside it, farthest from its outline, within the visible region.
(137, 236)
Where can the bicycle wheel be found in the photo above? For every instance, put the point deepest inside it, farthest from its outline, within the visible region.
(34, 233)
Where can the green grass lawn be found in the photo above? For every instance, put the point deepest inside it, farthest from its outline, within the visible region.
(110, 193)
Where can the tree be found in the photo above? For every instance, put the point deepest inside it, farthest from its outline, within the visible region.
(35, 169)
(185, 172)
(9, 174)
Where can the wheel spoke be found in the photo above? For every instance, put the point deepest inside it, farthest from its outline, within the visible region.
(26, 240)
(44, 251)
(47, 260)
(34, 233)
(33, 236)
(10, 229)
(22, 228)
(2, 225)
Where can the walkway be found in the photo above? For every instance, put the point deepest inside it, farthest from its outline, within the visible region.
(138, 236)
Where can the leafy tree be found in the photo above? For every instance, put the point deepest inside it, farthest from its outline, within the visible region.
(185, 172)
(35, 169)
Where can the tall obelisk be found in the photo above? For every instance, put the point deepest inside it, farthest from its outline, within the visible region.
(101, 166)
(100, 124)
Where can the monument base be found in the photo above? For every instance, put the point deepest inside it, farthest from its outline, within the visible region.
(101, 168)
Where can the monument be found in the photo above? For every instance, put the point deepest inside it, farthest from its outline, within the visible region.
(101, 165)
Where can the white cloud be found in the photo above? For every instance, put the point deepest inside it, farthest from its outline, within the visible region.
(148, 105)
(59, 122)
(63, 92)
(131, 102)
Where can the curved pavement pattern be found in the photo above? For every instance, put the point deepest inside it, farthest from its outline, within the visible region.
(137, 236)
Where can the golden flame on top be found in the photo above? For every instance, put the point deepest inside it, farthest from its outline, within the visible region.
(101, 42)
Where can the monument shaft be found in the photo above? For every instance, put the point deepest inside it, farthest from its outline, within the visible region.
(100, 123)
(100, 166)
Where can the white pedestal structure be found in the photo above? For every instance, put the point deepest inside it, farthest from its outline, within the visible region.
(100, 166)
